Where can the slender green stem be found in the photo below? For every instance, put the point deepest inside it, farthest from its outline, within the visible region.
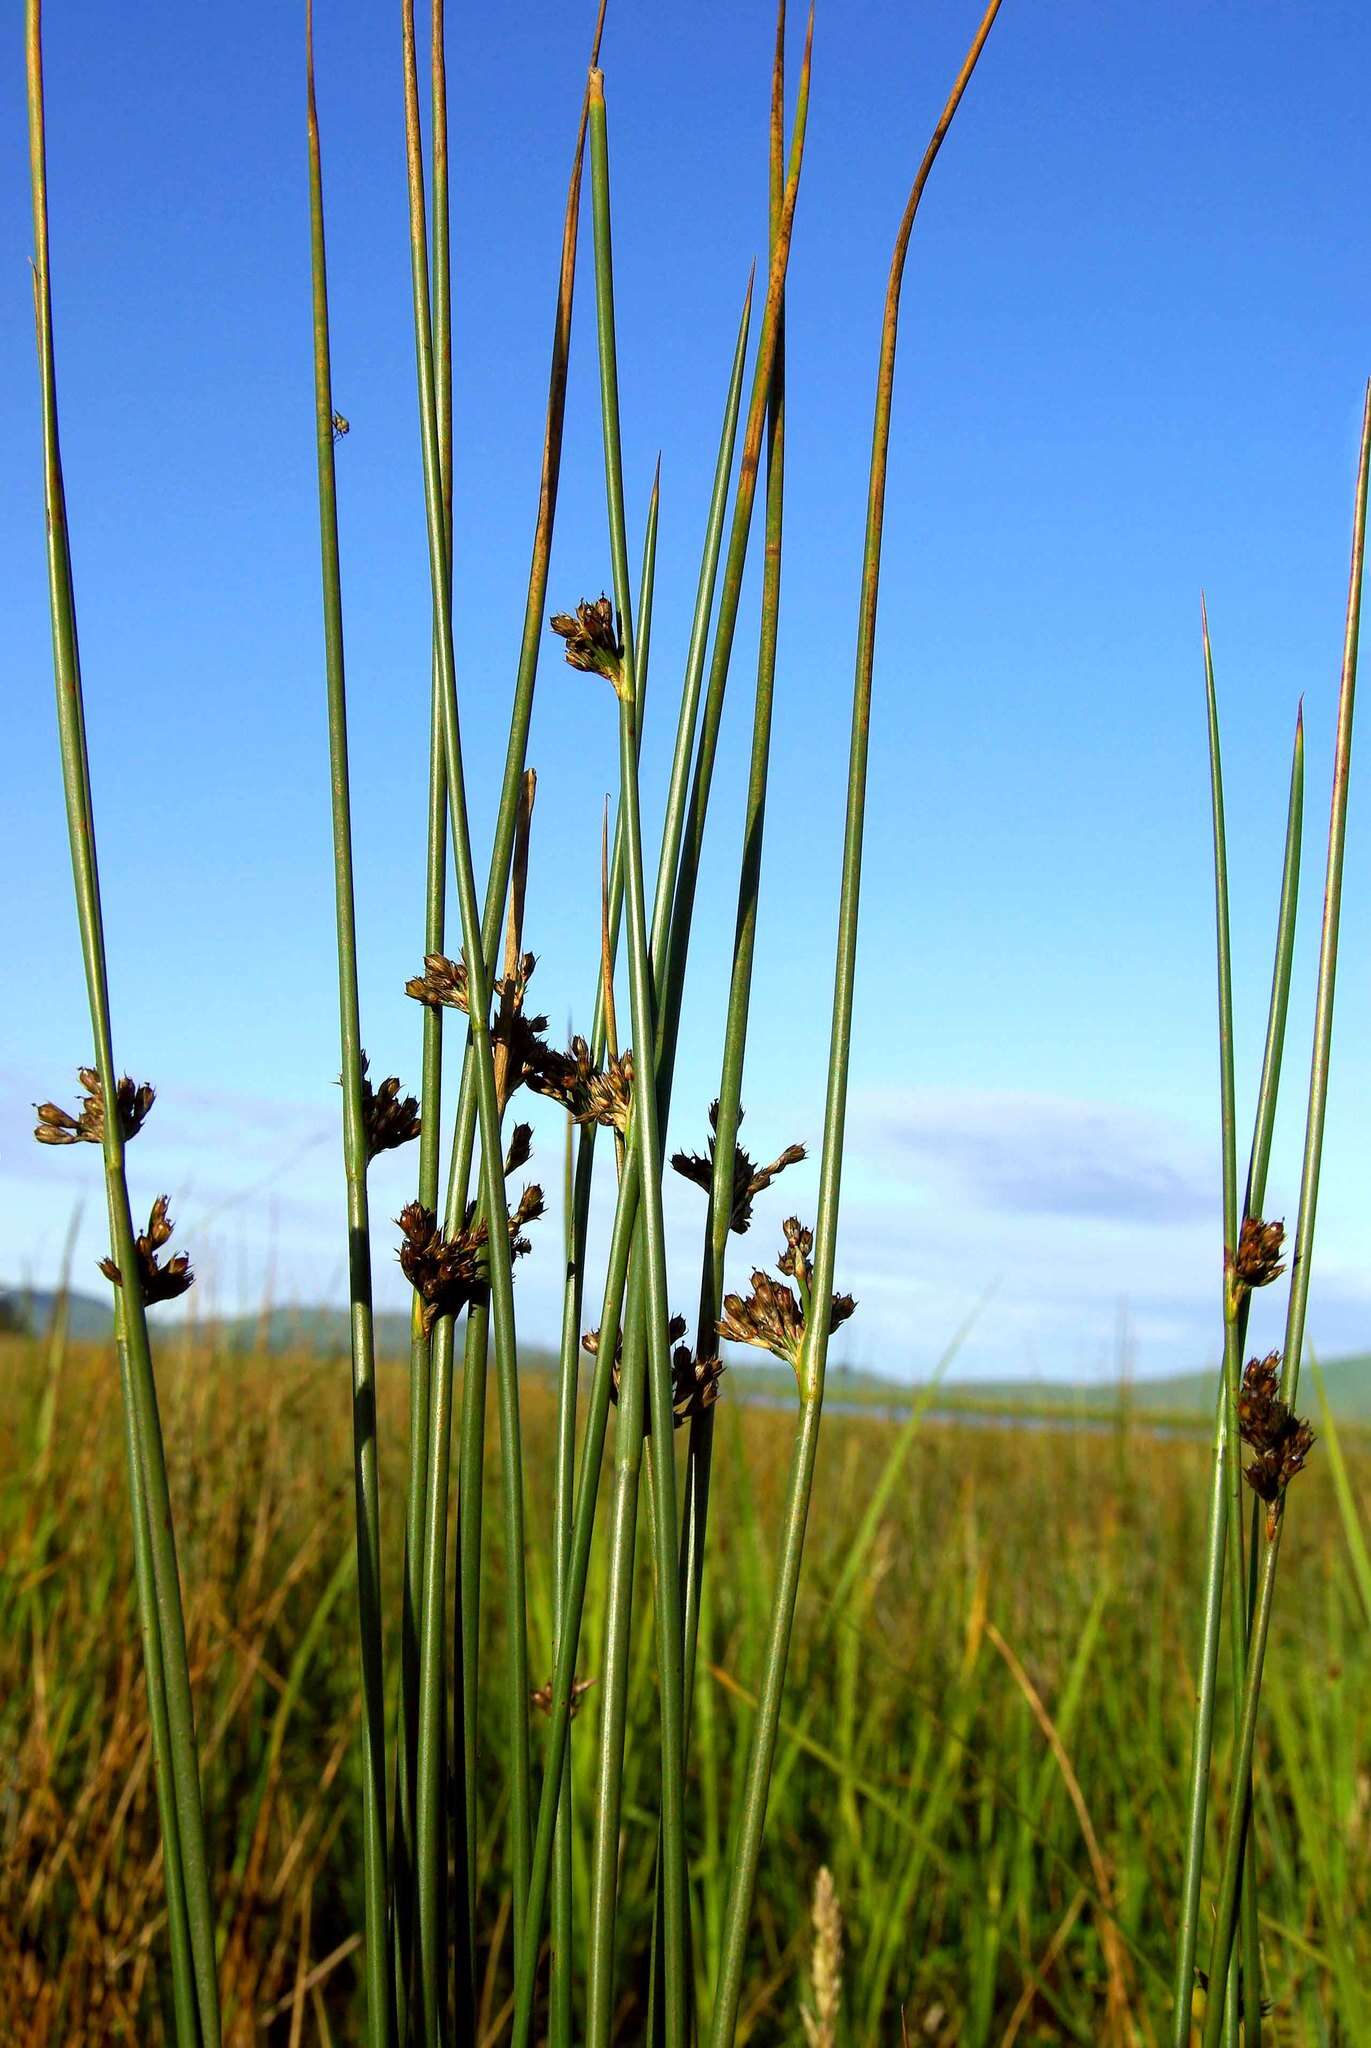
(583, 1526)
(698, 1458)
(1197, 1805)
(501, 1289)
(672, 909)
(380, 1989)
(184, 2001)
(645, 1117)
(1234, 1845)
(177, 1765)
(430, 1135)
(1328, 942)
(1229, 1293)
(747, 1850)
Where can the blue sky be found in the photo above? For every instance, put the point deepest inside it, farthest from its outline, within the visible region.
(1136, 330)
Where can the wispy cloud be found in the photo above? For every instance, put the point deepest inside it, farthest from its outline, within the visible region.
(1039, 1155)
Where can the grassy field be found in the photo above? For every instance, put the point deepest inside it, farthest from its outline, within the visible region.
(986, 1732)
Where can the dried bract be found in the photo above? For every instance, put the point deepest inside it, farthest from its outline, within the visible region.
(749, 1179)
(156, 1281)
(58, 1127)
(593, 643)
(445, 1272)
(1280, 1439)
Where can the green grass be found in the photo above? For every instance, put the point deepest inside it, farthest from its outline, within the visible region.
(909, 1759)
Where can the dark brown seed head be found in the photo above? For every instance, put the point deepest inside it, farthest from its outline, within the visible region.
(133, 1100)
(1258, 1261)
(541, 1696)
(445, 1272)
(443, 983)
(590, 1094)
(772, 1316)
(520, 1149)
(749, 1179)
(592, 641)
(528, 1209)
(1282, 1441)
(694, 1383)
(156, 1281)
(388, 1119)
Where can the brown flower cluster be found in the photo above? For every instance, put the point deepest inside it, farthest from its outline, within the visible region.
(540, 1696)
(520, 1053)
(133, 1100)
(694, 1382)
(592, 641)
(749, 1179)
(773, 1316)
(1280, 1439)
(445, 1272)
(389, 1120)
(590, 1094)
(1258, 1260)
(156, 1281)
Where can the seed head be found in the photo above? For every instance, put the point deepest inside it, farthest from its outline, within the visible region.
(388, 1120)
(1258, 1261)
(540, 1696)
(826, 1966)
(443, 983)
(445, 1272)
(590, 1094)
(1280, 1439)
(593, 643)
(133, 1100)
(772, 1316)
(156, 1281)
(520, 1149)
(749, 1179)
(694, 1384)
(529, 1207)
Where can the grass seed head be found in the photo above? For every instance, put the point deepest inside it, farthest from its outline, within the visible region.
(520, 1148)
(156, 1281)
(58, 1127)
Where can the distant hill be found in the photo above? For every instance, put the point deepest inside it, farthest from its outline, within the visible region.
(322, 1332)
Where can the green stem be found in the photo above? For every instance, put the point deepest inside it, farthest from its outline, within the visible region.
(1197, 1805)
(430, 1135)
(177, 1765)
(645, 1117)
(747, 1851)
(380, 1988)
(1221, 1951)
